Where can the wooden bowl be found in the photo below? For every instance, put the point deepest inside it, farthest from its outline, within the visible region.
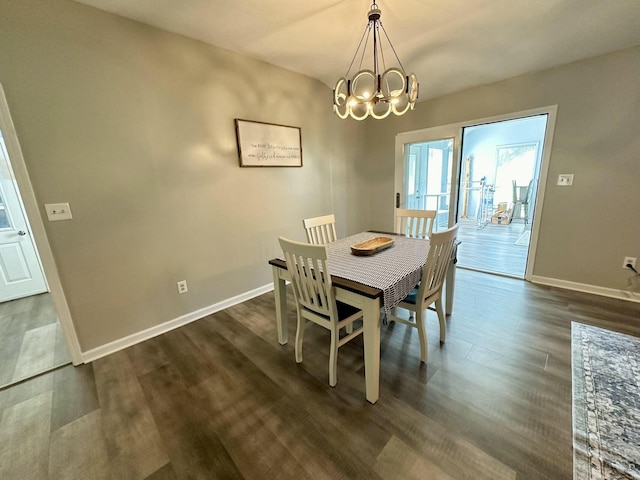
(371, 246)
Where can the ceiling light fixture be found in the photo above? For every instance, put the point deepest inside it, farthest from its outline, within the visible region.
(377, 91)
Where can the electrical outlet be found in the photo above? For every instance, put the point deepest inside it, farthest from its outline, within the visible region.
(629, 260)
(58, 211)
(565, 179)
(182, 287)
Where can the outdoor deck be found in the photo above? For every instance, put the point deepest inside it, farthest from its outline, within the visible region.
(494, 248)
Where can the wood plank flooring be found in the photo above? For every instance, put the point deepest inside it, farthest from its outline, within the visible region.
(31, 339)
(220, 398)
(494, 248)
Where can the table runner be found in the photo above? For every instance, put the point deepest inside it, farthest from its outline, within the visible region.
(395, 270)
(606, 403)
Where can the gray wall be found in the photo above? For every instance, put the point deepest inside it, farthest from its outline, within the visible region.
(134, 127)
(585, 230)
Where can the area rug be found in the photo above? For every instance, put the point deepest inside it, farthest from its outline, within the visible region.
(606, 404)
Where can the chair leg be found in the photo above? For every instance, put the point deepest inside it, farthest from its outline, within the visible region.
(441, 319)
(333, 358)
(422, 335)
(349, 328)
(299, 337)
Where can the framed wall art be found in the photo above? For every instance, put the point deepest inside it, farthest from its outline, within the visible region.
(268, 144)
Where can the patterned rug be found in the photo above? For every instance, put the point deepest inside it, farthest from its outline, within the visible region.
(606, 404)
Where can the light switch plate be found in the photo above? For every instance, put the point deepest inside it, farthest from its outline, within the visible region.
(58, 211)
(565, 179)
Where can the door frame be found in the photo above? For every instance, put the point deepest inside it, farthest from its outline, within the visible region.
(16, 161)
(454, 130)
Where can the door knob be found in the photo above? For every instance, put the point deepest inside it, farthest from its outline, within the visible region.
(22, 233)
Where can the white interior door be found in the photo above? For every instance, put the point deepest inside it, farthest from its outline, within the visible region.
(21, 273)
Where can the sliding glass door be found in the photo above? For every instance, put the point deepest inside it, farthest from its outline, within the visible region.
(487, 175)
(500, 170)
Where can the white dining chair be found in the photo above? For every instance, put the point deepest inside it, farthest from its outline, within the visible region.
(320, 230)
(414, 223)
(316, 299)
(429, 291)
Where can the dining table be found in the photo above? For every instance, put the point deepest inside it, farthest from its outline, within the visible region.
(370, 283)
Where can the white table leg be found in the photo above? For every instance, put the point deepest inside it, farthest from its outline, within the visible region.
(449, 287)
(371, 320)
(280, 292)
(371, 338)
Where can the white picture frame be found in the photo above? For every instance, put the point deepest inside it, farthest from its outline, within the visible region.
(263, 144)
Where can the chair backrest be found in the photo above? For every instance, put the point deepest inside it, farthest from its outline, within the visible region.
(527, 195)
(310, 278)
(320, 230)
(520, 192)
(441, 245)
(415, 223)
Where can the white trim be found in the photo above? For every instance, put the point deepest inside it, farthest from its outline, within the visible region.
(138, 337)
(583, 287)
(552, 113)
(37, 229)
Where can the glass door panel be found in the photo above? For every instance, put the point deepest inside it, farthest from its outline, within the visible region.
(427, 178)
(4, 219)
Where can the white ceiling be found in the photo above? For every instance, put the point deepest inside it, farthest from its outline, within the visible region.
(451, 45)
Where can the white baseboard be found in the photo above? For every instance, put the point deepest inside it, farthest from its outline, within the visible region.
(583, 287)
(122, 343)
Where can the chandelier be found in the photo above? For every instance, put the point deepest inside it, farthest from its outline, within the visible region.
(378, 90)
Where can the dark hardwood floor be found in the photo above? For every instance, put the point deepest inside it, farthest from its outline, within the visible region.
(219, 398)
(31, 340)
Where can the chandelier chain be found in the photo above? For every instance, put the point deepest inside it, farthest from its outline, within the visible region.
(391, 45)
(384, 63)
(364, 50)
(365, 34)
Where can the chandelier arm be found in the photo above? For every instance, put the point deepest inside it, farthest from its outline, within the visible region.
(364, 50)
(391, 45)
(364, 34)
